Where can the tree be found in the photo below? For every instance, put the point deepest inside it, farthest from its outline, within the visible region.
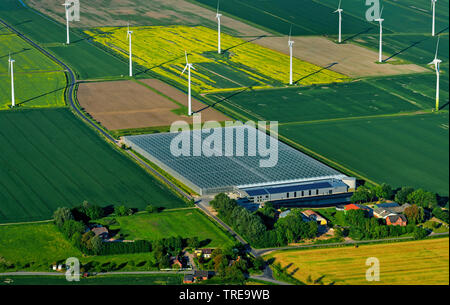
(362, 194)
(61, 215)
(70, 227)
(414, 213)
(150, 209)
(423, 198)
(420, 233)
(122, 210)
(384, 191)
(259, 263)
(76, 240)
(402, 195)
(97, 244)
(193, 242)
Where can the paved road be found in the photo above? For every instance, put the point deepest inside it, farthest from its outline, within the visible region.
(23, 273)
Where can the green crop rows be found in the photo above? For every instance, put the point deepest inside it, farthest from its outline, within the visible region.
(49, 159)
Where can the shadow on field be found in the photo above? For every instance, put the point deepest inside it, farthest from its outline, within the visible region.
(160, 65)
(98, 34)
(39, 96)
(227, 97)
(405, 49)
(245, 42)
(442, 107)
(15, 53)
(357, 34)
(318, 71)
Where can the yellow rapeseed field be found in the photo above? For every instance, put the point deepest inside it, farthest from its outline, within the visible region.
(242, 64)
(423, 262)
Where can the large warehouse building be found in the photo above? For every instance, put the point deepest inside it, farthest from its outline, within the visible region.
(294, 175)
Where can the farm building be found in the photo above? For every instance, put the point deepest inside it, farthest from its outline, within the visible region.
(292, 175)
(314, 216)
(396, 220)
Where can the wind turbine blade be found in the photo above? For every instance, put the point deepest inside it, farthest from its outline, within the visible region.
(184, 70)
(218, 4)
(339, 7)
(437, 48)
(381, 12)
(192, 67)
(290, 33)
(185, 54)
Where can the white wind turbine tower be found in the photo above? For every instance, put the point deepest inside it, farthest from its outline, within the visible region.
(130, 50)
(218, 15)
(291, 44)
(11, 70)
(339, 10)
(433, 7)
(66, 6)
(380, 20)
(188, 67)
(437, 62)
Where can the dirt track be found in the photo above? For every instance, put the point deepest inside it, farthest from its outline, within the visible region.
(127, 104)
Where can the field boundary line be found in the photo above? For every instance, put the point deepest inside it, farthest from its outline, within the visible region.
(387, 115)
(26, 222)
(393, 93)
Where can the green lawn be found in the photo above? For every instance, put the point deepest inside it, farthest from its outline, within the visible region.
(51, 159)
(34, 243)
(185, 223)
(403, 150)
(152, 279)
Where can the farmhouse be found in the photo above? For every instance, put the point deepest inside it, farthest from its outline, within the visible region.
(354, 206)
(294, 175)
(396, 220)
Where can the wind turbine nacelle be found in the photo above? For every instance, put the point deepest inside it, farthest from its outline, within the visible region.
(218, 16)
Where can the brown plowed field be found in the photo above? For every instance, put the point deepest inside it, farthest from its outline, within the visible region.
(128, 104)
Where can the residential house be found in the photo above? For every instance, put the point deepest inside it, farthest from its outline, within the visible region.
(400, 209)
(178, 260)
(396, 220)
(101, 231)
(284, 214)
(312, 215)
(206, 253)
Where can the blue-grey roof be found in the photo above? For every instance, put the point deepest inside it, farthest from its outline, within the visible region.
(298, 187)
(223, 171)
(257, 192)
(387, 205)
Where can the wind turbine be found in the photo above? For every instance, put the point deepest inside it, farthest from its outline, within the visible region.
(380, 20)
(339, 10)
(188, 67)
(11, 70)
(437, 62)
(66, 6)
(291, 44)
(218, 15)
(433, 7)
(130, 50)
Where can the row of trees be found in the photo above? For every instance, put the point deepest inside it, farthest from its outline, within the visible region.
(369, 193)
(260, 228)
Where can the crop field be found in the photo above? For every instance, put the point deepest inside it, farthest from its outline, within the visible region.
(49, 159)
(317, 18)
(400, 150)
(88, 60)
(161, 49)
(318, 102)
(422, 262)
(39, 82)
(185, 223)
(148, 279)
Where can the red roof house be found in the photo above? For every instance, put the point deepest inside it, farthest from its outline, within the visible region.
(396, 220)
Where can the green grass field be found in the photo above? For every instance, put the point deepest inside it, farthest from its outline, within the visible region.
(185, 223)
(151, 279)
(422, 262)
(38, 81)
(50, 159)
(402, 150)
(34, 243)
(88, 60)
